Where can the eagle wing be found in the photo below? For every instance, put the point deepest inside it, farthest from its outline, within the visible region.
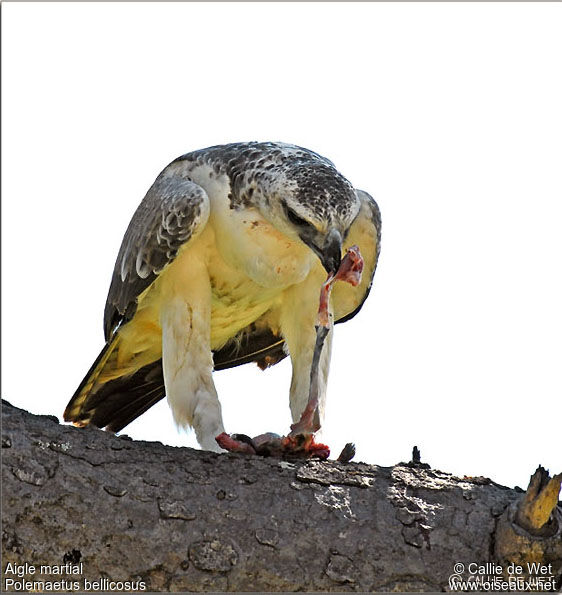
(173, 211)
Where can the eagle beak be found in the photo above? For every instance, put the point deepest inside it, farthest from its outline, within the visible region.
(330, 255)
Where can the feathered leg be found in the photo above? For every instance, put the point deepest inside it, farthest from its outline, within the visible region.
(186, 355)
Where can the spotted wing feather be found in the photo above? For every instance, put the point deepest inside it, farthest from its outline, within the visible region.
(171, 212)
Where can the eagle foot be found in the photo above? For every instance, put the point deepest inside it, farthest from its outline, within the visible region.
(300, 446)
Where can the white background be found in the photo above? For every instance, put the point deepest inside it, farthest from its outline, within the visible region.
(449, 114)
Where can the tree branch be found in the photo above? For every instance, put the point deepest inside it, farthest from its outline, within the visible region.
(179, 519)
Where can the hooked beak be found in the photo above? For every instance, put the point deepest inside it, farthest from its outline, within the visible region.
(330, 255)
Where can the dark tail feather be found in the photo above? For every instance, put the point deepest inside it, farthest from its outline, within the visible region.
(115, 403)
(119, 402)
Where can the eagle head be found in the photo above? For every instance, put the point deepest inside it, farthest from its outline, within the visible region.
(317, 204)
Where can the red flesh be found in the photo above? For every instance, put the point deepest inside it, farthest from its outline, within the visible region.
(350, 270)
(225, 441)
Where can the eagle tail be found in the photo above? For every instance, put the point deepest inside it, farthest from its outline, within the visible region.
(114, 392)
(112, 396)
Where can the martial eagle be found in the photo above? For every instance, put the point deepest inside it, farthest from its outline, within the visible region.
(222, 265)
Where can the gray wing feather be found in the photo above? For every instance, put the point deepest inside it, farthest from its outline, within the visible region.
(169, 215)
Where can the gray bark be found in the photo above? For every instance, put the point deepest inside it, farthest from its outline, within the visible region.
(186, 520)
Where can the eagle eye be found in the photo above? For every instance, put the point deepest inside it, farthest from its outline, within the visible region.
(296, 219)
